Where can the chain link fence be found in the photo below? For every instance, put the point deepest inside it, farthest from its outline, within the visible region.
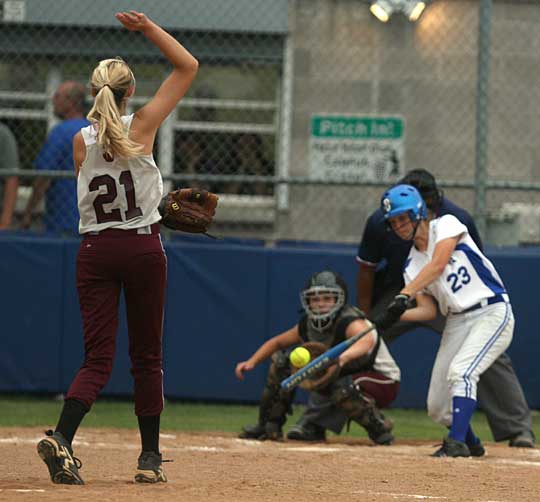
(303, 111)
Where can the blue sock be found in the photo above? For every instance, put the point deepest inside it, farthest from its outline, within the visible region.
(462, 412)
(471, 438)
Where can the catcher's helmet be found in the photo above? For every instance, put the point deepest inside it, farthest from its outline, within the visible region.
(323, 285)
(425, 183)
(403, 199)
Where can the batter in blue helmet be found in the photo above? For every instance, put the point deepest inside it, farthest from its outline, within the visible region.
(445, 269)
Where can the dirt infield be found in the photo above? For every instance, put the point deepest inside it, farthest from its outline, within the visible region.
(220, 467)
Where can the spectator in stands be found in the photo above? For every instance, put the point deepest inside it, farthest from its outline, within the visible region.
(205, 112)
(250, 160)
(9, 159)
(201, 152)
(192, 158)
(61, 213)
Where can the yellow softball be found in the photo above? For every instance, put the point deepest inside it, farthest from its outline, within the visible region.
(299, 357)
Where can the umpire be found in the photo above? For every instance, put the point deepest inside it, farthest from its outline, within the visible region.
(381, 258)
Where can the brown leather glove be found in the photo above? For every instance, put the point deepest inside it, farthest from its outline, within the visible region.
(188, 210)
(323, 378)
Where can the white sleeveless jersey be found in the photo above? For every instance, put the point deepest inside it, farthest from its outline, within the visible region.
(123, 194)
(468, 278)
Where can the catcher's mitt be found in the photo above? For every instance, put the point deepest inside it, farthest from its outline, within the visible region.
(325, 377)
(188, 210)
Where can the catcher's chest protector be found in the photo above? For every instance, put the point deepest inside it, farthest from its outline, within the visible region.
(330, 335)
(335, 333)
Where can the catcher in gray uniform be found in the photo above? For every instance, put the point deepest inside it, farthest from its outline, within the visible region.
(354, 389)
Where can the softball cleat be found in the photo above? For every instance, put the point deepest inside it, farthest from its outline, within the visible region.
(57, 454)
(149, 468)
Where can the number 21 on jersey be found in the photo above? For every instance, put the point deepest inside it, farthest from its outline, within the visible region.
(107, 181)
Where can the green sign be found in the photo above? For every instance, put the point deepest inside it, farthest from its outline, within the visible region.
(356, 127)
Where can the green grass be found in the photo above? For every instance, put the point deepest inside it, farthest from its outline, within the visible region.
(25, 411)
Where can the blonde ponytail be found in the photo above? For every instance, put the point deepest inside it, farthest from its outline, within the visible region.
(110, 82)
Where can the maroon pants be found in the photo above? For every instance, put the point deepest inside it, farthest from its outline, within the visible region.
(379, 387)
(107, 263)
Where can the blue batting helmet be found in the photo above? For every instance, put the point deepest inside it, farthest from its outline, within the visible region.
(403, 199)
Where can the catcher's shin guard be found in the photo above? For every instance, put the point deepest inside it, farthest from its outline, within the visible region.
(363, 410)
(56, 452)
(149, 468)
(255, 431)
(307, 432)
(275, 403)
(268, 431)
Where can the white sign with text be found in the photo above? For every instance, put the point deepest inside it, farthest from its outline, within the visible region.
(357, 148)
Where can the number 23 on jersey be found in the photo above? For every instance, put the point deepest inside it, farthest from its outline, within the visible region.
(458, 279)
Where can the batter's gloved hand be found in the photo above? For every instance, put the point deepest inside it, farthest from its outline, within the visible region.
(188, 210)
(397, 306)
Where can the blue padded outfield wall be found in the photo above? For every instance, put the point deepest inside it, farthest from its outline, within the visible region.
(224, 299)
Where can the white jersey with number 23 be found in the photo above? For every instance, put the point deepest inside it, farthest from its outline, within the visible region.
(468, 278)
(479, 323)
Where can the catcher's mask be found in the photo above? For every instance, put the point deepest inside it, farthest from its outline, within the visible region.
(323, 296)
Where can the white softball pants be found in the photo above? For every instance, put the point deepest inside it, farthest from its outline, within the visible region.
(470, 343)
